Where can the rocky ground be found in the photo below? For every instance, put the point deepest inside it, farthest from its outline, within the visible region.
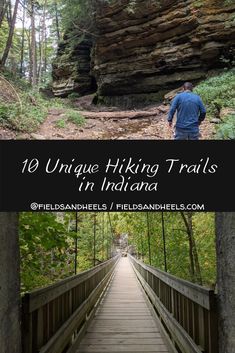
(103, 123)
(116, 125)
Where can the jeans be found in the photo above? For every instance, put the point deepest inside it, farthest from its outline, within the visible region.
(186, 135)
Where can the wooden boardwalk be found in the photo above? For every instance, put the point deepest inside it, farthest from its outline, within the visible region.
(123, 322)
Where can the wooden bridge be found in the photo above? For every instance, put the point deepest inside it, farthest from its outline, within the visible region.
(121, 305)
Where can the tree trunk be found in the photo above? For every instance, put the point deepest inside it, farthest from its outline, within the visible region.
(42, 65)
(9, 12)
(194, 248)
(28, 38)
(57, 22)
(194, 262)
(164, 241)
(9, 284)
(142, 246)
(76, 244)
(10, 35)
(94, 238)
(149, 239)
(40, 51)
(192, 270)
(44, 41)
(22, 42)
(2, 11)
(225, 232)
(103, 238)
(33, 54)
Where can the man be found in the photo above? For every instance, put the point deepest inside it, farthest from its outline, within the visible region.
(190, 113)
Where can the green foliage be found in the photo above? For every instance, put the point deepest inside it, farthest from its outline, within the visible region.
(77, 13)
(27, 115)
(61, 123)
(47, 245)
(218, 92)
(44, 243)
(77, 20)
(30, 109)
(74, 96)
(5, 111)
(75, 117)
(226, 130)
(19, 56)
(204, 231)
(177, 243)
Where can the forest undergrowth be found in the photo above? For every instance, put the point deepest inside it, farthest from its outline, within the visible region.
(24, 110)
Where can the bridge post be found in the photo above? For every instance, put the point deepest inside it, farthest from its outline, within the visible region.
(225, 232)
(10, 336)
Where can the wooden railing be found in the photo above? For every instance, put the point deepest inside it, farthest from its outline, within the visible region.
(187, 311)
(54, 317)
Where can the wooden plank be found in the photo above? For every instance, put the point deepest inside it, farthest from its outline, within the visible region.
(124, 322)
(130, 317)
(194, 292)
(179, 335)
(123, 329)
(126, 340)
(124, 308)
(59, 341)
(40, 297)
(144, 351)
(27, 325)
(123, 348)
(123, 335)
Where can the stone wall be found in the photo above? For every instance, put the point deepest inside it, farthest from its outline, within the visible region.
(154, 46)
(72, 68)
(144, 48)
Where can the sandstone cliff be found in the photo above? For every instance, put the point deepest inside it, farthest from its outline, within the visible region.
(72, 68)
(145, 47)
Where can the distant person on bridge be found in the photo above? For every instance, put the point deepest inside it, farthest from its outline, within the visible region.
(190, 113)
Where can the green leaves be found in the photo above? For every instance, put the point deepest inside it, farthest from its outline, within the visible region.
(226, 130)
(43, 243)
(47, 243)
(218, 92)
(177, 243)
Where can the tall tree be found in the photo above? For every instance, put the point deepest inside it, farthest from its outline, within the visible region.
(3, 6)
(10, 35)
(57, 24)
(225, 231)
(94, 238)
(9, 284)
(195, 266)
(33, 48)
(42, 65)
(22, 41)
(149, 238)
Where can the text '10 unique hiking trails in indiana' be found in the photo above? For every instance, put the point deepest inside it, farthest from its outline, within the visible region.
(117, 173)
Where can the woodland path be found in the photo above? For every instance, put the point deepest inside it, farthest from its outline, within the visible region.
(116, 125)
(123, 322)
(104, 123)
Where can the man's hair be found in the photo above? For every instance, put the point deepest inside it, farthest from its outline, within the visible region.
(188, 86)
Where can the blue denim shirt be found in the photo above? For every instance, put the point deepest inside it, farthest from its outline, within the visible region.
(190, 111)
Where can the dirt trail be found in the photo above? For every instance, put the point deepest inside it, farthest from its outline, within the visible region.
(104, 123)
(116, 125)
